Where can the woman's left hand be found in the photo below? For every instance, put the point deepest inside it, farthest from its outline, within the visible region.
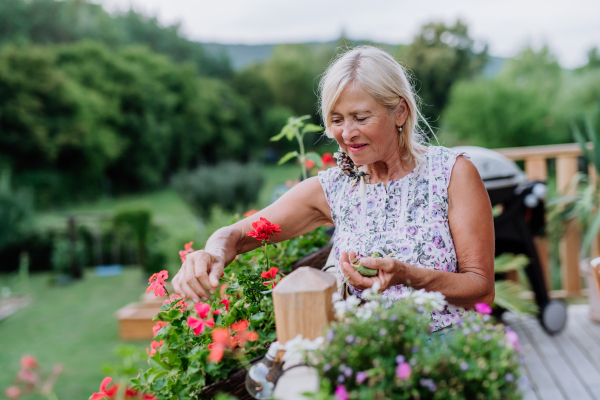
(391, 272)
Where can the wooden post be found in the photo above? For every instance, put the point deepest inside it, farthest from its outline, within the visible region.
(536, 169)
(302, 302)
(566, 168)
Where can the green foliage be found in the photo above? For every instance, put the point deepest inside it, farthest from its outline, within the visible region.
(77, 118)
(230, 185)
(583, 205)
(51, 21)
(63, 254)
(439, 56)
(512, 296)
(297, 128)
(473, 361)
(16, 211)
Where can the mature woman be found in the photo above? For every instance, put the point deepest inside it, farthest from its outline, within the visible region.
(389, 194)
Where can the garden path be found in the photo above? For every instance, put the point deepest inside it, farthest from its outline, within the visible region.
(565, 366)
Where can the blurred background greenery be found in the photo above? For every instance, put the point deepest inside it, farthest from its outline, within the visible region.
(121, 140)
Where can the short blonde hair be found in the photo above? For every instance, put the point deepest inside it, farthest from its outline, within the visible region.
(386, 80)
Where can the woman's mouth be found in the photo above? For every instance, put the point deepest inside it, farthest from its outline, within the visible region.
(356, 147)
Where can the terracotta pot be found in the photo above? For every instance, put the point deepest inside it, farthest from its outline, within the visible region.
(593, 290)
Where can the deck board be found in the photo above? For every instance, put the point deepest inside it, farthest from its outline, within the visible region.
(564, 366)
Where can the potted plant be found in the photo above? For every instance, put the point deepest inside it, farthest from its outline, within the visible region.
(583, 205)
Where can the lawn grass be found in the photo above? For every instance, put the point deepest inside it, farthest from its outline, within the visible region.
(72, 325)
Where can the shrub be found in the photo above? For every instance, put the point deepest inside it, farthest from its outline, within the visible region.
(62, 255)
(16, 211)
(230, 185)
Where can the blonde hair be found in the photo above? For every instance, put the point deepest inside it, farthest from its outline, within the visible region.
(386, 80)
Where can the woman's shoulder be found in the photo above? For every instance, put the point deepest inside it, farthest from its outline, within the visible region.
(332, 180)
(442, 153)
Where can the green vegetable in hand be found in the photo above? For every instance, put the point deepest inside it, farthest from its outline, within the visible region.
(361, 269)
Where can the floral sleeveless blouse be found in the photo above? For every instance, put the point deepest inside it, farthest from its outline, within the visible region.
(407, 217)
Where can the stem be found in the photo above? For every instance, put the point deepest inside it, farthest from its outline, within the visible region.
(302, 156)
(345, 280)
(266, 253)
(243, 360)
(51, 396)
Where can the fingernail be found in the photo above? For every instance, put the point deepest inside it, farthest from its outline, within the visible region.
(365, 262)
(205, 298)
(195, 299)
(211, 291)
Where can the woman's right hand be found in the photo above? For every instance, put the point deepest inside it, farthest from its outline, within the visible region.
(199, 275)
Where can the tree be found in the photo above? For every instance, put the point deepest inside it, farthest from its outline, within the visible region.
(439, 56)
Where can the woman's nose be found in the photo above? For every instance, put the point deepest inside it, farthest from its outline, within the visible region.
(349, 131)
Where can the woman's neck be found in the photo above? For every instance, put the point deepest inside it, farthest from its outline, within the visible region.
(388, 170)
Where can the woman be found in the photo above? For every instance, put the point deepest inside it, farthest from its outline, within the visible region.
(425, 205)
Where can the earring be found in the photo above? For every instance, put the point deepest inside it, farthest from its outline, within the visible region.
(399, 129)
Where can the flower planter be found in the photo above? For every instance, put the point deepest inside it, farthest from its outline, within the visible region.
(314, 260)
(234, 385)
(593, 290)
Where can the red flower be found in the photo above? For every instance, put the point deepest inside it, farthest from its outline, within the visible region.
(241, 335)
(249, 213)
(27, 376)
(28, 362)
(328, 159)
(220, 342)
(263, 229)
(159, 325)
(157, 283)
(310, 164)
(202, 309)
(104, 392)
(131, 393)
(270, 274)
(154, 345)
(226, 302)
(188, 249)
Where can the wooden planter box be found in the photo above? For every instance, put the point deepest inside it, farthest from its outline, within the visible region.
(135, 319)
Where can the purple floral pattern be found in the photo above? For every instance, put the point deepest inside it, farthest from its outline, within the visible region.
(407, 217)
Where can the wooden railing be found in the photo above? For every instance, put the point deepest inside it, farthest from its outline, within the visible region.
(536, 158)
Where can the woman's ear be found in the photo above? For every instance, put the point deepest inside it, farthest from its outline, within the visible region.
(401, 112)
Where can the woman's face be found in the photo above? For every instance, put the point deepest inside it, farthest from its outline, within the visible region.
(364, 128)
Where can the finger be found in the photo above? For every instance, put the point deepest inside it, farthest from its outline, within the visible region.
(176, 285)
(356, 279)
(201, 276)
(344, 257)
(189, 292)
(216, 271)
(385, 264)
(352, 254)
(190, 282)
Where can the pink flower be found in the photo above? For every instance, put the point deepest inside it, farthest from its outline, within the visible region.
(104, 392)
(226, 302)
(483, 308)
(27, 376)
(12, 392)
(198, 324)
(28, 362)
(154, 345)
(157, 283)
(403, 371)
(512, 339)
(188, 249)
(159, 325)
(202, 309)
(341, 393)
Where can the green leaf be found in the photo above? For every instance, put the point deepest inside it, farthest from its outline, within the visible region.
(158, 364)
(159, 383)
(311, 155)
(257, 318)
(288, 157)
(512, 297)
(279, 135)
(595, 139)
(590, 234)
(308, 128)
(510, 262)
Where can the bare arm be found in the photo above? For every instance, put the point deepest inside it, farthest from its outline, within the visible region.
(298, 211)
(472, 227)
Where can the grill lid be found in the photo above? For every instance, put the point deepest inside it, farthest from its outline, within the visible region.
(496, 171)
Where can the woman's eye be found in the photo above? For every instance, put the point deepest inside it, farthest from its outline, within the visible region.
(361, 119)
(336, 121)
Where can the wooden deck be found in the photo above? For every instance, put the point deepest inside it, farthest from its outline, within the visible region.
(565, 366)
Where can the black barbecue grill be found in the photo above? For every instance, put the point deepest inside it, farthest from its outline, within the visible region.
(522, 218)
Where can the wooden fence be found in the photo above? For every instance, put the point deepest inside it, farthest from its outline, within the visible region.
(536, 168)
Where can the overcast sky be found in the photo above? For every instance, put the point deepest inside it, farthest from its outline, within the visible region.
(570, 27)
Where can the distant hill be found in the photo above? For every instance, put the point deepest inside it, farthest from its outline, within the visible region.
(242, 55)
